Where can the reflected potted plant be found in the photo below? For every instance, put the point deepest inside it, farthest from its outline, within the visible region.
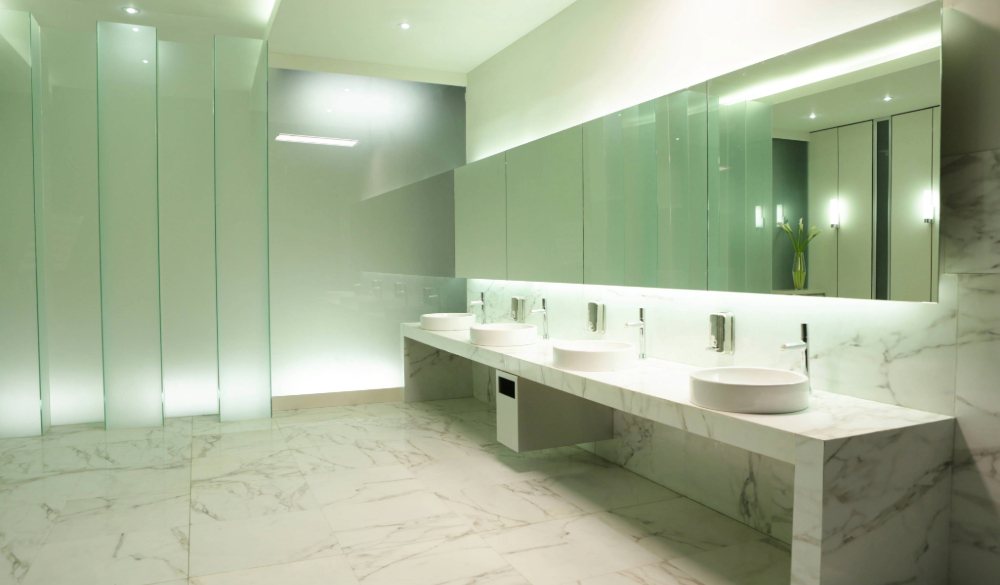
(800, 241)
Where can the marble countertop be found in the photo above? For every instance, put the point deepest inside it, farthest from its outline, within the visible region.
(658, 390)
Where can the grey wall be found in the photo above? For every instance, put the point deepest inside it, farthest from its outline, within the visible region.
(339, 215)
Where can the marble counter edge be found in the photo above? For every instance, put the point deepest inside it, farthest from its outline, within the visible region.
(658, 390)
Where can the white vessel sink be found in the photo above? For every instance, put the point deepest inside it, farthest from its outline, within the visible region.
(447, 321)
(594, 356)
(750, 390)
(503, 334)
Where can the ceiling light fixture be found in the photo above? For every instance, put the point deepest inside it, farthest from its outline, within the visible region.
(135, 29)
(404, 26)
(812, 116)
(348, 142)
(887, 98)
(131, 10)
(145, 61)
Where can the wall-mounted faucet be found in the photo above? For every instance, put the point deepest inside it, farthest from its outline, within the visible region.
(517, 309)
(804, 346)
(482, 305)
(596, 319)
(545, 319)
(429, 295)
(721, 337)
(641, 324)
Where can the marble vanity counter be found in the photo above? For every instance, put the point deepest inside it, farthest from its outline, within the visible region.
(658, 390)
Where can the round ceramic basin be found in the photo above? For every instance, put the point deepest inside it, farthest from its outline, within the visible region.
(503, 334)
(447, 321)
(594, 356)
(750, 390)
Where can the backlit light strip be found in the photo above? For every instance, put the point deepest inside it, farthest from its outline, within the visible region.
(325, 141)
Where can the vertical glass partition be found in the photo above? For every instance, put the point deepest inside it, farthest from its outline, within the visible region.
(130, 286)
(241, 228)
(19, 372)
(187, 228)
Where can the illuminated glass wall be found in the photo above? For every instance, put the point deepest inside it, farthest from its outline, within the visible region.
(19, 384)
(360, 238)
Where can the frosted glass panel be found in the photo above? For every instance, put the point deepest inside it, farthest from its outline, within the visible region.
(67, 240)
(130, 287)
(187, 229)
(345, 222)
(19, 383)
(639, 173)
(241, 228)
(603, 201)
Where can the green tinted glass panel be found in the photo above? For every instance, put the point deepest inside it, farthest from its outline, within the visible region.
(241, 228)
(187, 229)
(130, 285)
(19, 382)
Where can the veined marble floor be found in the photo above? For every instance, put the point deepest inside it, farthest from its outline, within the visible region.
(417, 494)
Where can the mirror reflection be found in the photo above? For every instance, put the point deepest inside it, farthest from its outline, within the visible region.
(840, 138)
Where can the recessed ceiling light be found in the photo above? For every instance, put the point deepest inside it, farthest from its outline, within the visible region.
(404, 26)
(347, 90)
(135, 29)
(131, 10)
(812, 116)
(887, 98)
(329, 110)
(348, 142)
(145, 61)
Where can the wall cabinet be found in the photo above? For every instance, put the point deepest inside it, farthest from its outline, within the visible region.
(545, 209)
(481, 219)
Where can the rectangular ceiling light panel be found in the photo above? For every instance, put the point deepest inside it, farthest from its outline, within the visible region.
(348, 142)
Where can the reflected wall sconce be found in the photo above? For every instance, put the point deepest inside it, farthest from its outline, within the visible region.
(929, 207)
(835, 213)
(758, 216)
(780, 215)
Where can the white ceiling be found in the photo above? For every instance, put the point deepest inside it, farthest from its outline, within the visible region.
(445, 35)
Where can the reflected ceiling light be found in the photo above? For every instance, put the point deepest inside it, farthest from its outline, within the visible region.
(812, 116)
(758, 216)
(834, 213)
(779, 212)
(145, 60)
(131, 10)
(887, 98)
(876, 57)
(404, 26)
(135, 29)
(348, 142)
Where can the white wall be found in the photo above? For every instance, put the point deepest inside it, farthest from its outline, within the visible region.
(600, 56)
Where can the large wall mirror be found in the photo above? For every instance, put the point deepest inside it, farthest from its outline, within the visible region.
(841, 137)
(705, 188)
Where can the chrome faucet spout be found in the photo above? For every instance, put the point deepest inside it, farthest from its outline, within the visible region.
(545, 319)
(481, 303)
(641, 325)
(803, 345)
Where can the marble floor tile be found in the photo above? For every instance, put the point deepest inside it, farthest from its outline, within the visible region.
(75, 435)
(38, 490)
(557, 551)
(607, 488)
(219, 547)
(116, 483)
(658, 574)
(452, 406)
(144, 453)
(353, 485)
(81, 519)
(221, 500)
(465, 560)
(288, 418)
(498, 464)
(19, 443)
(332, 458)
(249, 442)
(492, 507)
(760, 562)
(131, 558)
(677, 528)
(210, 425)
(378, 514)
(240, 466)
(421, 449)
(325, 571)
(18, 551)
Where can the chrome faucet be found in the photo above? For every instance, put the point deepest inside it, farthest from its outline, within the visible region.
(545, 319)
(482, 305)
(803, 345)
(517, 309)
(641, 324)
